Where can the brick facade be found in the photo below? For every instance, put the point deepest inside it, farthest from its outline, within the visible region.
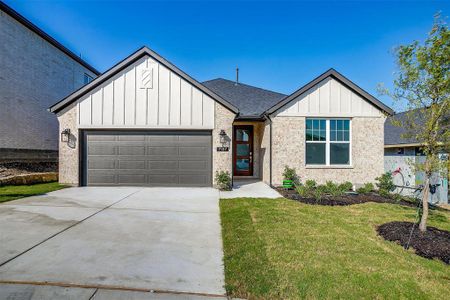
(222, 161)
(68, 152)
(34, 75)
(366, 149)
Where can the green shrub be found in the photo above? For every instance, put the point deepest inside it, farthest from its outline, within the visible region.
(332, 189)
(366, 188)
(385, 184)
(311, 189)
(307, 189)
(346, 186)
(319, 191)
(223, 180)
(291, 174)
(303, 191)
(310, 184)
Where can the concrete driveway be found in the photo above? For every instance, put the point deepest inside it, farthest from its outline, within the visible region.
(114, 238)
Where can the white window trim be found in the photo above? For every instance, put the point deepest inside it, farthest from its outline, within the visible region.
(327, 143)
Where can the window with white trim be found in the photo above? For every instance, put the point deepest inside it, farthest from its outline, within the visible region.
(328, 142)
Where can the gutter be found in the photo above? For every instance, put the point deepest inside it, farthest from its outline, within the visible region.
(402, 145)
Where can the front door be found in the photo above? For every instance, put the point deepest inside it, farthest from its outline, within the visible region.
(243, 150)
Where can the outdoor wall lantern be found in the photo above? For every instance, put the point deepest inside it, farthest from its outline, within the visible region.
(65, 135)
(223, 137)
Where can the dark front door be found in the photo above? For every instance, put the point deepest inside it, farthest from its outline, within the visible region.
(243, 150)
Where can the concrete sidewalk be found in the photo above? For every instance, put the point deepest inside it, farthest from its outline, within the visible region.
(250, 188)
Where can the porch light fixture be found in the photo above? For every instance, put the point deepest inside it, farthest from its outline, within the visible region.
(65, 134)
(223, 136)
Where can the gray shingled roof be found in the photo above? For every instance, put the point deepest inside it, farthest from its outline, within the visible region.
(393, 133)
(251, 101)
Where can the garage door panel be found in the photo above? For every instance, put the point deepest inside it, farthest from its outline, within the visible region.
(194, 151)
(194, 165)
(128, 138)
(131, 150)
(102, 138)
(102, 178)
(101, 163)
(163, 165)
(192, 179)
(148, 158)
(162, 150)
(132, 179)
(132, 164)
(101, 149)
(194, 140)
(163, 179)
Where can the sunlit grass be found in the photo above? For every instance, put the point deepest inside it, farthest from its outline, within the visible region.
(286, 249)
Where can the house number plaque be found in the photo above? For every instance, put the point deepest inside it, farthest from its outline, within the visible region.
(222, 149)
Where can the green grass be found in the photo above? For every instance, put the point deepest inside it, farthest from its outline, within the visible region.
(286, 249)
(13, 192)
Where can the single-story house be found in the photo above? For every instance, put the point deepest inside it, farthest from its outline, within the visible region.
(401, 153)
(146, 122)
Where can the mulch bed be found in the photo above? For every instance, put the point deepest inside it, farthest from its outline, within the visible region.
(348, 199)
(433, 243)
(20, 168)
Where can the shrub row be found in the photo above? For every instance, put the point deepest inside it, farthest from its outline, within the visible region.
(384, 184)
(311, 189)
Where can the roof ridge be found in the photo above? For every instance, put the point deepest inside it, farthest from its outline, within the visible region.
(240, 83)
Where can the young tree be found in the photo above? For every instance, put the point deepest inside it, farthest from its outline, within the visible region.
(422, 85)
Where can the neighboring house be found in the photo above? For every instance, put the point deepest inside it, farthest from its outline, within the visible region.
(35, 71)
(146, 122)
(400, 154)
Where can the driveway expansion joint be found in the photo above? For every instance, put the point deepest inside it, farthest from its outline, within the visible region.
(93, 294)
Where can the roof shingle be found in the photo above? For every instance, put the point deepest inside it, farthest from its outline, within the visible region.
(251, 101)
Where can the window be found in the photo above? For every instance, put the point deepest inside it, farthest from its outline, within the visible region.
(87, 78)
(328, 142)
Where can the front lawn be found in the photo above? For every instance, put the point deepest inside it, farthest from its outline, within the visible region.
(286, 249)
(13, 192)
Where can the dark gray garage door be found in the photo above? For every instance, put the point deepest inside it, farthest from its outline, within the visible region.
(149, 158)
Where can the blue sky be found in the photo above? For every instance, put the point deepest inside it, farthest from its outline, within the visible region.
(277, 45)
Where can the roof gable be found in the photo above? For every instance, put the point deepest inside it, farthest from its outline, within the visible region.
(333, 74)
(121, 66)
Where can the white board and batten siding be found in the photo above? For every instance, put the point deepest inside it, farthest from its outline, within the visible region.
(146, 95)
(330, 98)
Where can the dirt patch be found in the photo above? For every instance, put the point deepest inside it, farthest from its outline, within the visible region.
(16, 168)
(347, 199)
(433, 243)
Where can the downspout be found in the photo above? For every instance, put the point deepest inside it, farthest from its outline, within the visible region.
(270, 150)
